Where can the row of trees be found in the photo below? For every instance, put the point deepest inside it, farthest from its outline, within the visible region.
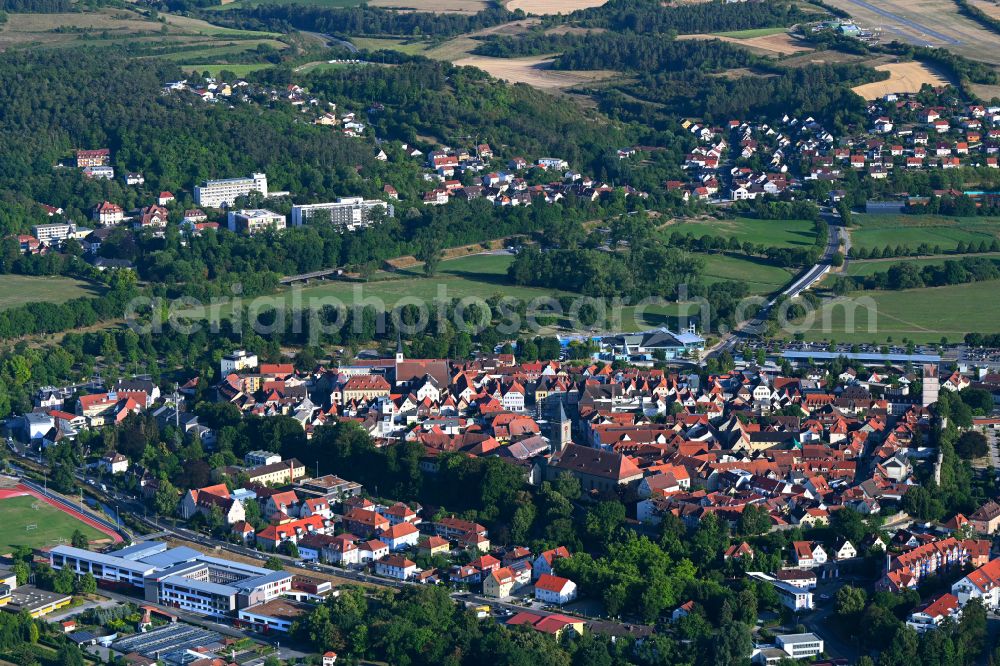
(924, 249)
(906, 275)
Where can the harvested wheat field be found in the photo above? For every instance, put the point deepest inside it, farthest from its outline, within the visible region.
(988, 7)
(436, 6)
(552, 6)
(535, 72)
(904, 77)
(780, 44)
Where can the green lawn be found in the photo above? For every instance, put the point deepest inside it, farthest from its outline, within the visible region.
(878, 231)
(243, 4)
(407, 46)
(870, 267)
(922, 315)
(238, 70)
(52, 525)
(750, 34)
(221, 50)
(482, 276)
(772, 233)
(18, 290)
(762, 278)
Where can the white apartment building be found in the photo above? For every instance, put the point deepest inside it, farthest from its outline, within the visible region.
(237, 362)
(346, 212)
(216, 193)
(46, 233)
(800, 646)
(255, 220)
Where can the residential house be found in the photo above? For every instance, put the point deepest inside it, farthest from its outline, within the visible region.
(554, 589)
(808, 554)
(396, 566)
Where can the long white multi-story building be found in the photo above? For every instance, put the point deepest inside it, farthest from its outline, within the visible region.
(217, 193)
(349, 213)
(180, 577)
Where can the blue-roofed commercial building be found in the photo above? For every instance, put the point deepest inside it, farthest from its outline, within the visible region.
(180, 577)
(863, 358)
(649, 343)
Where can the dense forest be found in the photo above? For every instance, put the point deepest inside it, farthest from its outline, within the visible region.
(364, 20)
(821, 91)
(621, 51)
(36, 6)
(175, 140)
(652, 16)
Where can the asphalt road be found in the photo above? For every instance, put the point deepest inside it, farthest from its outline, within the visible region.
(333, 41)
(805, 281)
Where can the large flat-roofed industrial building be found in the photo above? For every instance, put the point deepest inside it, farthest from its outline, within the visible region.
(179, 577)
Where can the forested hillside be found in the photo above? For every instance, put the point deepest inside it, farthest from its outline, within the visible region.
(48, 103)
(364, 20)
(652, 16)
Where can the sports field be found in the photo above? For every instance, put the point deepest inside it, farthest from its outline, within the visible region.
(922, 315)
(772, 233)
(18, 290)
(877, 231)
(51, 526)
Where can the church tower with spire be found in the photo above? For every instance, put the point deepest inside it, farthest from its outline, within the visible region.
(561, 430)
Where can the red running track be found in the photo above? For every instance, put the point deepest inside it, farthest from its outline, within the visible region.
(20, 491)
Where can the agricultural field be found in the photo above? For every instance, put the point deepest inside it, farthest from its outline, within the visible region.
(234, 4)
(763, 41)
(18, 290)
(238, 70)
(988, 7)
(437, 6)
(552, 6)
(772, 233)
(868, 267)
(904, 77)
(935, 23)
(407, 46)
(179, 38)
(534, 71)
(921, 315)
(51, 526)
(877, 231)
